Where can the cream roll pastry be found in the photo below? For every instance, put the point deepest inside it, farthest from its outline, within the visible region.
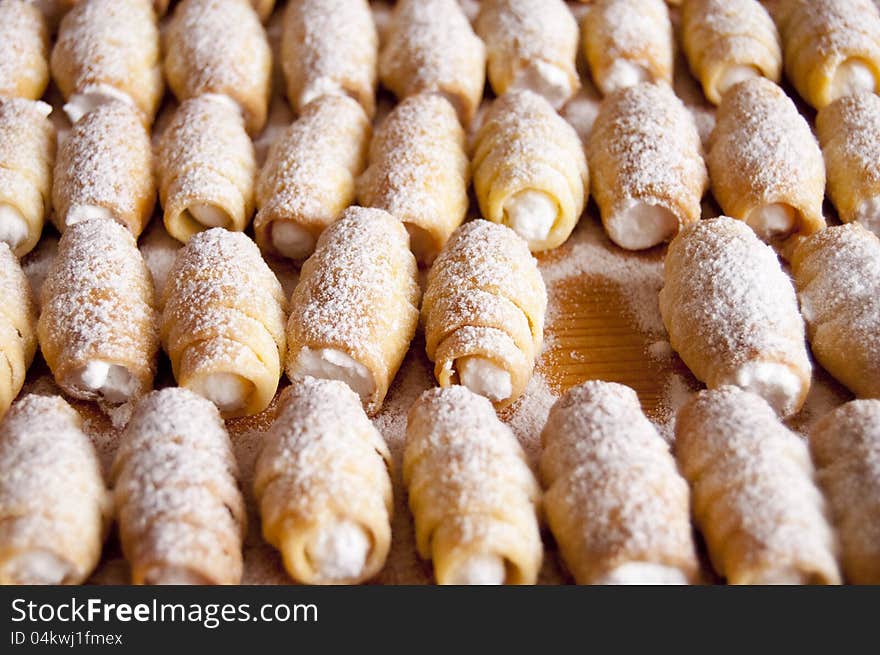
(323, 485)
(831, 48)
(531, 45)
(27, 156)
(483, 312)
(104, 170)
(732, 314)
(627, 42)
(419, 172)
(614, 500)
(530, 170)
(837, 273)
(54, 506)
(646, 164)
(309, 176)
(24, 62)
(473, 497)
(330, 47)
(180, 512)
(206, 168)
(223, 322)
(728, 41)
(765, 165)
(220, 46)
(753, 491)
(849, 132)
(355, 309)
(18, 327)
(845, 445)
(98, 327)
(108, 51)
(431, 47)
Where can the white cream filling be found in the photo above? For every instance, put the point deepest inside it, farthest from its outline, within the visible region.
(480, 570)
(531, 214)
(114, 383)
(323, 86)
(332, 364)
(13, 227)
(291, 240)
(173, 575)
(83, 213)
(91, 98)
(622, 74)
(774, 220)
(484, 377)
(774, 382)
(735, 74)
(339, 551)
(868, 214)
(851, 77)
(209, 215)
(227, 391)
(37, 567)
(642, 225)
(421, 243)
(545, 79)
(643, 573)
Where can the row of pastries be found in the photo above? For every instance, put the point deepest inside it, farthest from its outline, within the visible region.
(322, 480)
(772, 507)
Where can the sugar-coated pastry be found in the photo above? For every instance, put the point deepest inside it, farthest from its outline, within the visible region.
(472, 494)
(483, 312)
(732, 314)
(845, 445)
(206, 168)
(98, 327)
(323, 486)
(419, 172)
(223, 322)
(837, 273)
(330, 47)
(849, 132)
(532, 45)
(104, 170)
(614, 500)
(54, 506)
(308, 178)
(220, 46)
(765, 165)
(648, 174)
(356, 306)
(728, 41)
(18, 327)
(180, 512)
(831, 48)
(753, 492)
(530, 170)
(627, 42)
(108, 50)
(24, 61)
(27, 155)
(431, 47)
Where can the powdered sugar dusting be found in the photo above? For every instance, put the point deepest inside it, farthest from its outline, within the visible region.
(614, 494)
(737, 455)
(176, 492)
(24, 69)
(430, 46)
